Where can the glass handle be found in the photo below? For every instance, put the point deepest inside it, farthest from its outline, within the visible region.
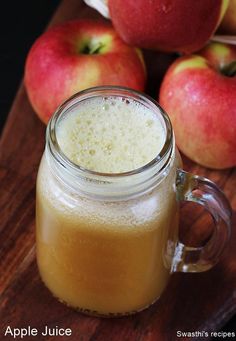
(204, 192)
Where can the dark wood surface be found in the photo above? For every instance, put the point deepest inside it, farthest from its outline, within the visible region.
(191, 302)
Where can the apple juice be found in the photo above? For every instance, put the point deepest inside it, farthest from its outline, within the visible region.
(100, 253)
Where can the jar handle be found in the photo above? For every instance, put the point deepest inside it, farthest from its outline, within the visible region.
(202, 191)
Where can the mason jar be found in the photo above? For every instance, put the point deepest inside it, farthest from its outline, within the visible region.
(107, 243)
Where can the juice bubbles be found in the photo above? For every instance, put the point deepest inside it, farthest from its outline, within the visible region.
(106, 254)
(111, 136)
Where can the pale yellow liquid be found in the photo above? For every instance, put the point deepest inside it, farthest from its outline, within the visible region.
(106, 257)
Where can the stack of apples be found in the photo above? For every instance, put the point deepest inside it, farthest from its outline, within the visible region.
(198, 90)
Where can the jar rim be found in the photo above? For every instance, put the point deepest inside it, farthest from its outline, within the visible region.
(107, 91)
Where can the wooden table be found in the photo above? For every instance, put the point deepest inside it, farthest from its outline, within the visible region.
(192, 302)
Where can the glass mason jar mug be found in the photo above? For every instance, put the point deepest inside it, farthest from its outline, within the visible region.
(107, 243)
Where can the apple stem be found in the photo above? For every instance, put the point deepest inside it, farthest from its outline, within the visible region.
(230, 69)
(92, 48)
(96, 48)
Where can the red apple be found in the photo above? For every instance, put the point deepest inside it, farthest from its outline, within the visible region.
(77, 55)
(228, 24)
(168, 25)
(201, 101)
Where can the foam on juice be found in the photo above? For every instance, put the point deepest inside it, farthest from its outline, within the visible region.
(111, 135)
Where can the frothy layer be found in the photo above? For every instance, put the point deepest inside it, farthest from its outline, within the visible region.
(111, 135)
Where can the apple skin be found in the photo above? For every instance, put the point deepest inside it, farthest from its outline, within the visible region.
(168, 25)
(228, 23)
(201, 103)
(59, 65)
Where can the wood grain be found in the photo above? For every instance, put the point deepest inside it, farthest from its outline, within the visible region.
(191, 302)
